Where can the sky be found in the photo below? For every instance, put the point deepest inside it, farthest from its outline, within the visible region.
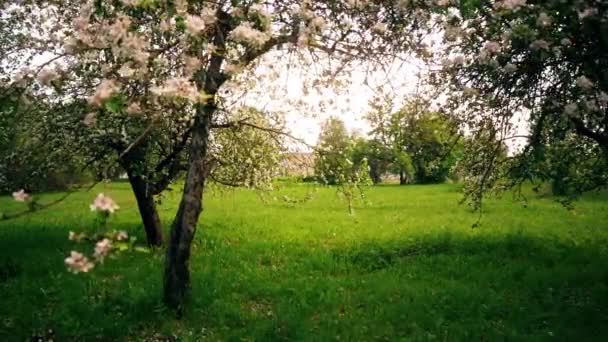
(349, 103)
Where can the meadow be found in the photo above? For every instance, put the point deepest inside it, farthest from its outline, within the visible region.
(407, 266)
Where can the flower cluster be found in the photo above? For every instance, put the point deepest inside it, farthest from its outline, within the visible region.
(21, 196)
(179, 87)
(104, 203)
(102, 248)
(246, 34)
(104, 91)
(77, 263)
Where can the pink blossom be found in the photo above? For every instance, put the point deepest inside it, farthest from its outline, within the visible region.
(191, 65)
(21, 196)
(134, 108)
(104, 91)
(543, 19)
(77, 263)
(102, 248)
(194, 24)
(104, 203)
(492, 47)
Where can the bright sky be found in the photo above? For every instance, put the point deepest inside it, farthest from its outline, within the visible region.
(350, 103)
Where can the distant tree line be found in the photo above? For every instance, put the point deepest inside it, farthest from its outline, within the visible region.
(418, 145)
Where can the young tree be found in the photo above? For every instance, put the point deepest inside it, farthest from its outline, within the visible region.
(334, 161)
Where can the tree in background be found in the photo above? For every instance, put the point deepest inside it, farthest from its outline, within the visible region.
(378, 156)
(424, 146)
(334, 162)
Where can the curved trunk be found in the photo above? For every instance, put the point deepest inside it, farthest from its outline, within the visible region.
(147, 211)
(177, 273)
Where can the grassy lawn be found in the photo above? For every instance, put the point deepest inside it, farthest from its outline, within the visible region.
(408, 266)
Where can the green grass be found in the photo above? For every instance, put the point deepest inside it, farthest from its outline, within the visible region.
(408, 266)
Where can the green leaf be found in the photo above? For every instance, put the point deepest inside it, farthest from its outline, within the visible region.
(115, 104)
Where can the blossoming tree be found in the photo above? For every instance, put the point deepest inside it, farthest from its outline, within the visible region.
(536, 64)
(156, 71)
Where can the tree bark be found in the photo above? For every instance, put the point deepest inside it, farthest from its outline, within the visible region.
(177, 274)
(402, 179)
(147, 210)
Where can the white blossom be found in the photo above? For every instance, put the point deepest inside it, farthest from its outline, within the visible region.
(512, 5)
(76, 236)
(543, 19)
(246, 34)
(570, 109)
(178, 87)
(584, 82)
(121, 236)
(458, 60)
(90, 120)
(21, 196)
(603, 98)
(126, 71)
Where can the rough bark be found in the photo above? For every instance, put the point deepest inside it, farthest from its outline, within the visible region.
(147, 210)
(177, 274)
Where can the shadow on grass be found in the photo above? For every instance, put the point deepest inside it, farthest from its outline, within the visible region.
(373, 256)
(562, 287)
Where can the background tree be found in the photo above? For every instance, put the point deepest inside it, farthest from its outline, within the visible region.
(424, 145)
(378, 156)
(334, 162)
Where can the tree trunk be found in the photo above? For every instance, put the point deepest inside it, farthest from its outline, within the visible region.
(177, 274)
(402, 179)
(147, 210)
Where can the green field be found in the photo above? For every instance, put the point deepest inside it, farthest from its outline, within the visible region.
(407, 266)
